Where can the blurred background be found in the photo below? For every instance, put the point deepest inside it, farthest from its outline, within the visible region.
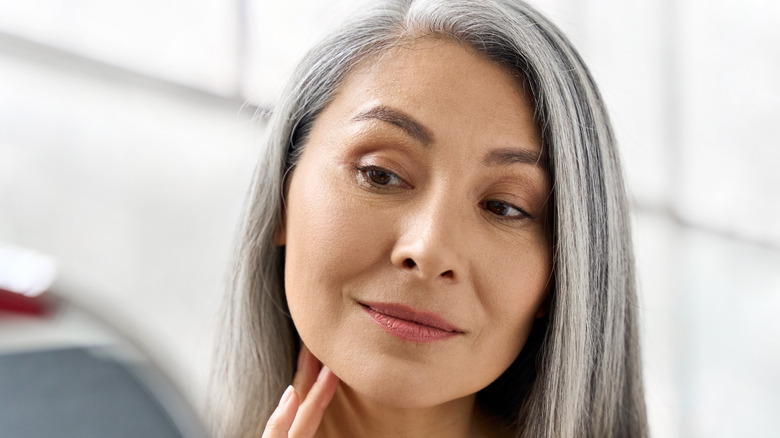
(128, 136)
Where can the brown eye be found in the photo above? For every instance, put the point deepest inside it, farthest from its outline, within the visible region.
(378, 176)
(506, 211)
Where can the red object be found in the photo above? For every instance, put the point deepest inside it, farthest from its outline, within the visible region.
(17, 303)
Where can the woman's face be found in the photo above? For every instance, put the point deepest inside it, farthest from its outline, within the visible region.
(416, 252)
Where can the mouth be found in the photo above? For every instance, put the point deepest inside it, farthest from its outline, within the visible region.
(410, 324)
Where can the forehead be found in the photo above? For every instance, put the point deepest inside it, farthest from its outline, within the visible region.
(444, 85)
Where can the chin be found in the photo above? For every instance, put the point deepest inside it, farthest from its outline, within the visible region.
(397, 387)
(402, 395)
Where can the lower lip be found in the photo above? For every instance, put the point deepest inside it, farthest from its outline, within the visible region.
(408, 330)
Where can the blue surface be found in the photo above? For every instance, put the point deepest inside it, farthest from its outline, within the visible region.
(75, 393)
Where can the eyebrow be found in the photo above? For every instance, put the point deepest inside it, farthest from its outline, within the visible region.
(414, 129)
(506, 156)
(409, 125)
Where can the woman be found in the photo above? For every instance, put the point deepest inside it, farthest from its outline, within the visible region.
(437, 242)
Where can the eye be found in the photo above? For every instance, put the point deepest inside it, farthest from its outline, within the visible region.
(504, 210)
(378, 177)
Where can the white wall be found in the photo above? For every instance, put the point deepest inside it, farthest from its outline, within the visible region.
(134, 190)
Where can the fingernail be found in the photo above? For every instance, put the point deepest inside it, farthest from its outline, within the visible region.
(322, 373)
(301, 356)
(287, 395)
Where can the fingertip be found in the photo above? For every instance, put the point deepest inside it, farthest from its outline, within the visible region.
(287, 396)
(289, 402)
(326, 374)
(315, 403)
(324, 371)
(294, 401)
(306, 374)
(302, 356)
(329, 382)
(282, 418)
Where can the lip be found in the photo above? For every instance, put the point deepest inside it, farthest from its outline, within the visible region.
(410, 324)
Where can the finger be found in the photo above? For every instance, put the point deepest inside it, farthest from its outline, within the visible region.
(306, 374)
(313, 407)
(282, 418)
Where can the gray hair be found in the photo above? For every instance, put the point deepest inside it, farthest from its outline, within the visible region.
(580, 372)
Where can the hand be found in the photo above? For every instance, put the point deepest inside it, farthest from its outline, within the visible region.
(300, 410)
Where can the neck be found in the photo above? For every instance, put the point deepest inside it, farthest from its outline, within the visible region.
(353, 415)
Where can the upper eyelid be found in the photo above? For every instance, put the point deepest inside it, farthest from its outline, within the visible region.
(386, 164)
(524, 213)
(379, 168)
(366, 168)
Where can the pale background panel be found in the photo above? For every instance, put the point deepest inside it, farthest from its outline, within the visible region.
(191, 42)
(135, 190)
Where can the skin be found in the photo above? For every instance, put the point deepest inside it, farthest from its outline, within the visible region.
(420, 184)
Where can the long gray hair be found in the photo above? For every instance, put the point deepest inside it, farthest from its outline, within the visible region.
(580, 372)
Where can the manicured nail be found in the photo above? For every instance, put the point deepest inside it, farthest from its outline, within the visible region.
(325, 370)
(287, 395)
(301, 357)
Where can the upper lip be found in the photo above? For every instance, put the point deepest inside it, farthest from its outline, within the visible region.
(402, 311)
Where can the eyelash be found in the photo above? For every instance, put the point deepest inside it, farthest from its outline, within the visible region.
(521, 214)
(365, 171)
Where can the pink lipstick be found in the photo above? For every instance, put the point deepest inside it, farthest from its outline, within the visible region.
(410, 324)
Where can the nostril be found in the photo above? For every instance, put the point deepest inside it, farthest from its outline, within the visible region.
(409, 263)
(447, 274)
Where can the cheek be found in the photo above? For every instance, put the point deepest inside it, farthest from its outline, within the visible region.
(330, 243)
(314, 221)
(327, 233)
(514, 291)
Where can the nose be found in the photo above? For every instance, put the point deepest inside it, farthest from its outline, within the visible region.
(430, 244)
